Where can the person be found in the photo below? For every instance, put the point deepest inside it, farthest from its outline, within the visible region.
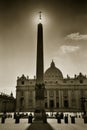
(3, 117)
(66, 118)
(17, 119)
(14, 115)
(58, 118)
(30, 118)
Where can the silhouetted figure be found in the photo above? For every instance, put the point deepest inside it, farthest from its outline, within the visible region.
(66, 119)
(3, 118)
(58, 118)
(73, 119)
(17, 119)
(30, 118)
(61, 115)
(14, 115)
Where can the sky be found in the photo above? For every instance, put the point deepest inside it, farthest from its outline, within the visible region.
(64, 31)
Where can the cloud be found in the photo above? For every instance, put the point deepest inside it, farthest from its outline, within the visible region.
(76, 36)
(69, 49)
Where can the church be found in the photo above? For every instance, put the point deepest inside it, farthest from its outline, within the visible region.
(60, 94)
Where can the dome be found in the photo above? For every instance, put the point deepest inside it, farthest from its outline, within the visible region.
(53, 73)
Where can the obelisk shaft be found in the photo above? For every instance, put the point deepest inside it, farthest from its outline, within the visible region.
(40, 64)
(39, 88)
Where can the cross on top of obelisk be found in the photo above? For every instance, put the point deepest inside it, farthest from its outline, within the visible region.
(40, 15)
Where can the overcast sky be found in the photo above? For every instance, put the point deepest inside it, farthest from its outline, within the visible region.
(65, 38)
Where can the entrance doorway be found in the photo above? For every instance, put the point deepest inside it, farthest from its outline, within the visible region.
(51, 103)
(66, 104)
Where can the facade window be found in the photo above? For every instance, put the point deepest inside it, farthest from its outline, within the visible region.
(21, 102)
(51, 93)
(22, 82)
(66, 103)
(81, 81)
(45, 104)
(51, 103)
(71, 81)
(57, 104)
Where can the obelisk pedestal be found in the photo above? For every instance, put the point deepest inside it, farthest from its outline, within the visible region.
(39, 110)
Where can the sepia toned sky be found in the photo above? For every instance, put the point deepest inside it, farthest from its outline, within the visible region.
(65, 38)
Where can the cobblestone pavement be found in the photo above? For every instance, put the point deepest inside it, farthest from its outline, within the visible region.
(10, 125)
(79, 125)
(51, 125)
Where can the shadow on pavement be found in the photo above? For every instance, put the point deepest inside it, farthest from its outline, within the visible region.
(39, 126)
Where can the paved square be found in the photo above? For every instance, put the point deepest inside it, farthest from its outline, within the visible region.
(51, 125)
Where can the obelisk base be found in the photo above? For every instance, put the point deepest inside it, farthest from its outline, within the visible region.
(39, 114)
(39, 111)
(39, 105)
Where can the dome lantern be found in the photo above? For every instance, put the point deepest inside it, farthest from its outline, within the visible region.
(52, 64)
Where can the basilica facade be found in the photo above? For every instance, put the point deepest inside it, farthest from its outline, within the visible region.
(61, 94)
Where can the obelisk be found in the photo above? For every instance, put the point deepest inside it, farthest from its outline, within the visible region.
(40, 64)
(39, 87)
